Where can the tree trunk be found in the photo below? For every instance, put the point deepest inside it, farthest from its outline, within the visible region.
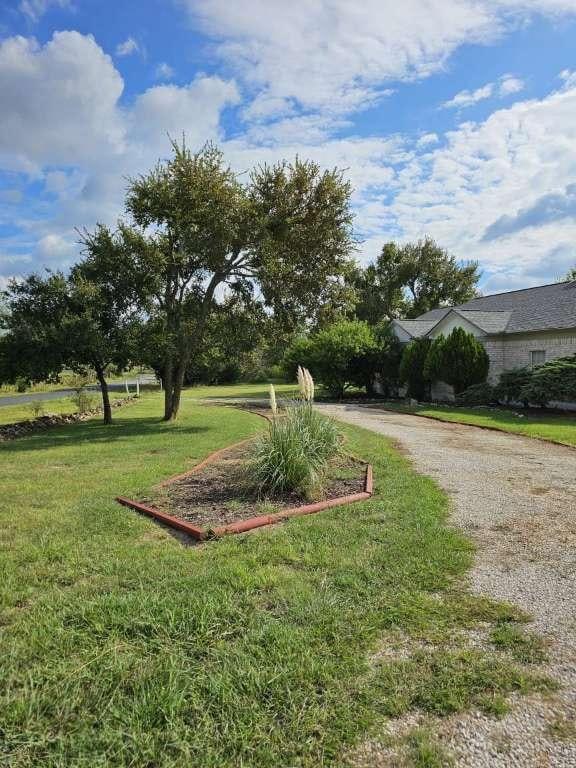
(168, 388)
(107, 408)
(177, 389)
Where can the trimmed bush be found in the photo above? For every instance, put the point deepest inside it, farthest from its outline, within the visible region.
(459, 360)
(511, 384)
(478, 394)
(336, 356)
(555, 380)
(411, 371)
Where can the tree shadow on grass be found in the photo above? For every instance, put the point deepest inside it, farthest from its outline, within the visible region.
(95, 432)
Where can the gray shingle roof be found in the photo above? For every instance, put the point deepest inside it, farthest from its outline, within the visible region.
(416, 328)
(489, 322)
(547, 307)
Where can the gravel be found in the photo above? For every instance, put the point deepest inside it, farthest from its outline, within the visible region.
(516, 498)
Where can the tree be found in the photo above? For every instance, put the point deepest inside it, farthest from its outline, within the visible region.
(459, 360)
(380, 363)
(412, 369)
(571, 276)
(58, 322)
(408, 280)
(336, 355)
(285, 236)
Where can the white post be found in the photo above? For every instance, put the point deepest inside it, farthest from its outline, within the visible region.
(126, 386)
(138, 386)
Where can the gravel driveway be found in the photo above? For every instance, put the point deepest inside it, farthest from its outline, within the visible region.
(516, 498)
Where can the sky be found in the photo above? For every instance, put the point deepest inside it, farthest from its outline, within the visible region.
(454, 119)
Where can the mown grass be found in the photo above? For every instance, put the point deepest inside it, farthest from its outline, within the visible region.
(560, 428)
(122, 647)
(23, 411)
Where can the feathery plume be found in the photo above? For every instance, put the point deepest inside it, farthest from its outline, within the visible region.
(310, 385)
(273, 405)
(301, 382)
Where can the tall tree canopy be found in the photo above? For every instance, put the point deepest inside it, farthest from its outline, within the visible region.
(408, 280)
(284, 236)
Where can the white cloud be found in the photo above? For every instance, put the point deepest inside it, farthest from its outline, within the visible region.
(505, 165)
(506, 86)
(427, 139)
(59, 101)
(35, 9)
(63, 124)
(128, 47)
(568, 78)
(338, 56)
(509, 85)
(469, 98)
(164, 71)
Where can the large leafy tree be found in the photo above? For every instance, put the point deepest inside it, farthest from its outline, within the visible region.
(283, 236)
(408, 280)
(58, 321)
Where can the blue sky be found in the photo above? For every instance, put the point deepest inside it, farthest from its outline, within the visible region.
(452, 118)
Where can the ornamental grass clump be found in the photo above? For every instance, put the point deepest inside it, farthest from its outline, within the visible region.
(292, 456)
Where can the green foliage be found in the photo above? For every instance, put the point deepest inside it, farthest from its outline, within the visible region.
(408, 280)
(338, 356)
(478, 394)
(195, 228)
(83, 319)
(425, 751)
(522, 646)
(83, 400)
(511, 384)
(293, 454)
(459, 359)
(434, 363)
(258, 643)
(412, 369)
(21, 384)
(36, 408)
(555, 380)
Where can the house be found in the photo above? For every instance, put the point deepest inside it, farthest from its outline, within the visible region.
(519, 329)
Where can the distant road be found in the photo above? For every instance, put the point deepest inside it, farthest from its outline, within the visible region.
(56, 394)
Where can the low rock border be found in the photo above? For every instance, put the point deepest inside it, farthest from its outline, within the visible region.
(201, 534)
(23, 428)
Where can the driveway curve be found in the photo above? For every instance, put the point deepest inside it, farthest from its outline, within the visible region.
(516, 498)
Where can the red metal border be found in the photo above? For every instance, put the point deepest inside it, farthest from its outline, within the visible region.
(252, 522)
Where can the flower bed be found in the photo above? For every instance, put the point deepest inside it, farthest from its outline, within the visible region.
(214, 499)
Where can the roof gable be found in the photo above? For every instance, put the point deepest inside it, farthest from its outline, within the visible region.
(547, 307)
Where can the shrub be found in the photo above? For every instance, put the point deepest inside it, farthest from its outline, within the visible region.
(511, 384)
(459, 359)
(411, 371)
(293, 454)
(336, 355)
(83, 400)
(478, 394)
(555, 380)
(36, 408)
(21, 384)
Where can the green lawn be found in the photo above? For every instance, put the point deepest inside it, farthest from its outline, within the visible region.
(122, 647)
(23, 411)
(560, 428)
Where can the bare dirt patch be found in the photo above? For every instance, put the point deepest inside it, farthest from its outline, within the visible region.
(220, 493)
